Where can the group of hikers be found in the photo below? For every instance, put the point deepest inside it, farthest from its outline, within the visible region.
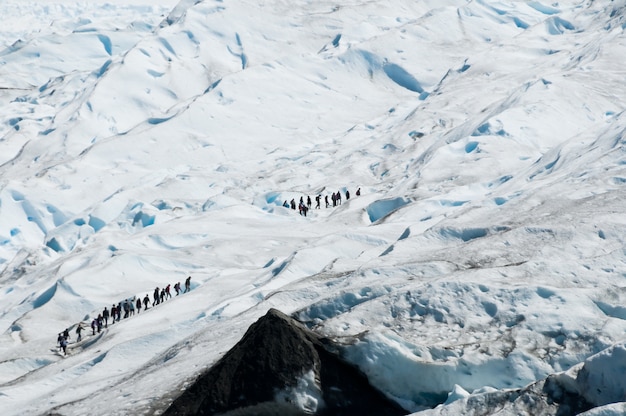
(128, 306)
(303, 206)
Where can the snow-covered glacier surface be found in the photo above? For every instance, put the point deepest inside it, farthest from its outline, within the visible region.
(142, 142)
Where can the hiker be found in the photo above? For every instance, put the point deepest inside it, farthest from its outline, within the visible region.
(167, 291)
(358, 192)
(131, 304)
(79, 329)
(146, 300)
(155, 297)
(105, 316)
(317, 201)
(99, 323)
(303, 209)
(293, 204)
(138, 305)
(326, 200)
(93, 327)
(113, 313)
(286, 204)
(119, 311)
(63, 345)
(177, 288)
(338, 198)
(60, 338)
(187, 285)
(308, 202)
(347, 194)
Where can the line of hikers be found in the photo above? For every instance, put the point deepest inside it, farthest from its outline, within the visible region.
(128, 306)
(304, 207)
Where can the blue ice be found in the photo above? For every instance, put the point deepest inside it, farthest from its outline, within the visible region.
(380, 209)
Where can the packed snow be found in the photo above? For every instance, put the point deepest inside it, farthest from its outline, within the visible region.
(145, 141)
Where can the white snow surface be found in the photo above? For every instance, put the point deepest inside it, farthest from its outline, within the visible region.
(144, 141)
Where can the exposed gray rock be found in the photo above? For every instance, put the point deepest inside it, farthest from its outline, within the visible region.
(282, 368)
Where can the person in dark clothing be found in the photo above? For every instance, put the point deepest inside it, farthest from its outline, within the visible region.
(156, 297)
(326, 200)
(105, 316)
(187, 285)
(119, 310)
(177, 288)
(317, 201)
(63, 345)
(113, 314)
(338, 198)
(138, 305)
(286, 204)
(358, 192)
(146, 301)
(308, 202)
(347, 194)
(79, 329)
(293, 204)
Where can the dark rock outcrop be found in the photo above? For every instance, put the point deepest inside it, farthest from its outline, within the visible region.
(277, 355)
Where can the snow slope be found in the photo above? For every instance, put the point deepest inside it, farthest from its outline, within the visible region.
(145, 141)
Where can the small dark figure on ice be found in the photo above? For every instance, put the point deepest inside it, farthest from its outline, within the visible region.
(79, 329)
(156, 296)
(63, 345)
